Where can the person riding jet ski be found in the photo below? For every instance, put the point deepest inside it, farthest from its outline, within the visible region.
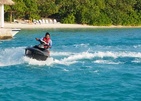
(41, 51)
(46, 42)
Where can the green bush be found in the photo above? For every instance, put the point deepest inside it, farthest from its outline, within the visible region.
(70, 19)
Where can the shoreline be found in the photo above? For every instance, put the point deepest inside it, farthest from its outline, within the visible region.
(58, 25)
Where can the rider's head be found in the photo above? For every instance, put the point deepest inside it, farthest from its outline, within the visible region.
(47, 35)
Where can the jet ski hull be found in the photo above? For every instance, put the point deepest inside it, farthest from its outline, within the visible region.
(36, 53)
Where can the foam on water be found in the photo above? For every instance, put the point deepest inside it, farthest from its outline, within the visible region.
(61, 53)
(81, 45)
(137, 46)
(73, 58)
(31, 61)
(138, 60)
(11, 56)
(106, 62)
(15, 55)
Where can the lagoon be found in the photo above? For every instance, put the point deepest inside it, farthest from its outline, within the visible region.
(85, 64)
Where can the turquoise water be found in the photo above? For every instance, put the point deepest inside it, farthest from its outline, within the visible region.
(85, 65)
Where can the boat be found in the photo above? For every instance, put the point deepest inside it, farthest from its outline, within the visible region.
(37, 52)
(15, 31)
(8, 33)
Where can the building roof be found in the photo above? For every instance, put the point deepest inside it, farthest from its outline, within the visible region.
(6, 2)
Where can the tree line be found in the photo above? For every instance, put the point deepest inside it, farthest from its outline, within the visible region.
(91, 12)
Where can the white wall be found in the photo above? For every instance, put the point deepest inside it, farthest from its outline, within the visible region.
(1, 15)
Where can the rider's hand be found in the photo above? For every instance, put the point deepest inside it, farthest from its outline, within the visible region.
(37, 39)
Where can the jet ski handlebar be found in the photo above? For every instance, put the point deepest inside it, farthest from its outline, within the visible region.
(41, 41)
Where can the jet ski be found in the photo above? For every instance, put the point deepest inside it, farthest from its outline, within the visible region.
(37, 52)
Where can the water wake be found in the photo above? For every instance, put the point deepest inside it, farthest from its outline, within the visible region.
(99, 57)
(31, 61)
(15, 56)
(11, 56)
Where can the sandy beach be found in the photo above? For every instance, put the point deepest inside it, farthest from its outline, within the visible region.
(59, 25)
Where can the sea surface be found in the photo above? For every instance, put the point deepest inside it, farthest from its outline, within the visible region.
(85, 65)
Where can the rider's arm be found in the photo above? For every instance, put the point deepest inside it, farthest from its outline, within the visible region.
(41, 40)
(37, 39)
(50, 43)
